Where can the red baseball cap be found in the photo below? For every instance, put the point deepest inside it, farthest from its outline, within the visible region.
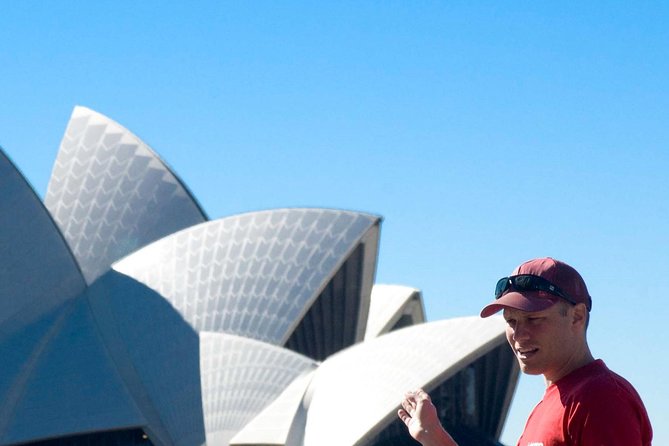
(558, 273)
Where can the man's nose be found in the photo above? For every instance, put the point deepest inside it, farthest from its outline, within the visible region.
(520, 332)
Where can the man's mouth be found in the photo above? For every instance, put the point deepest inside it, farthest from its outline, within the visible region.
(526, 353)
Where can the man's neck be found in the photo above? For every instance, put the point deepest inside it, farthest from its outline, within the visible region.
(575, 363)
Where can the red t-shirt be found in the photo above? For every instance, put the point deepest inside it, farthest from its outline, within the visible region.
(592, 406)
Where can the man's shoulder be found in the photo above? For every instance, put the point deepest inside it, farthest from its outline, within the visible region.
(603, 403)
(600, 384)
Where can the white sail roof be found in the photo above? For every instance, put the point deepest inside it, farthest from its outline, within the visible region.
(384, 368)
(37, 270)
(393, 305)
(240, 377)
(280, 423)
(67, 384)
(211, 332)
(110, 193)
(253, 274)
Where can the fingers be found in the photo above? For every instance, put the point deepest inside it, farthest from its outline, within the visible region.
(421, 395)
(404, 416)
(416, 397)
(407, 408)
(422, 420)
(410, 403)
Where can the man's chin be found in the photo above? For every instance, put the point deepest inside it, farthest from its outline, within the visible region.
(529, 370)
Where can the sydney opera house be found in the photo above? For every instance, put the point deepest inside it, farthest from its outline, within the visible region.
(129, 317)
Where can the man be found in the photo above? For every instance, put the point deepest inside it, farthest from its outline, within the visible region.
(546, 306)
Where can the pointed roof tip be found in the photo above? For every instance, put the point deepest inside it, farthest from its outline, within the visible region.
(393, 307)
(86, 138)
(80, 109)
(399, 288)
(84, 114)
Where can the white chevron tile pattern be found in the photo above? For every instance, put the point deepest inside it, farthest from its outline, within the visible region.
(254, 274)
(184, 332)
(273, 425)
(240, 377)
(110, 194)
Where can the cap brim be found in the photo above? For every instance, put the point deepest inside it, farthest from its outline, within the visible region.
(529, 301)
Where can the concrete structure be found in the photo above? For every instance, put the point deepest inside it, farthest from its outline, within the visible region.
(110, 194)
(127, 317)
(393, 307)
(352, 398)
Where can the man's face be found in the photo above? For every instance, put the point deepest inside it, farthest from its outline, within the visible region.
(544, 341)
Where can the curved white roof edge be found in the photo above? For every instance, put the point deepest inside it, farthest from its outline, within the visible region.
(110, 193)
(34, 252)
(280, 421)
(388, 304)
(240, 377)
(384, 368)
(254, 274)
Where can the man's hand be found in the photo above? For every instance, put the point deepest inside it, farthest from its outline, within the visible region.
(420, 416)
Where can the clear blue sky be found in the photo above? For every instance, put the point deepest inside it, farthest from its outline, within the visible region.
(485, 134)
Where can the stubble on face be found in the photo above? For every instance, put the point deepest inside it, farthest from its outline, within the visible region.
(541, 341)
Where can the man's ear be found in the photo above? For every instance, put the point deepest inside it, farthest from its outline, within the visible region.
(580, 315)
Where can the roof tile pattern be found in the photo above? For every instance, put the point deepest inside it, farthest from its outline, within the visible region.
(240, 377)
(156, 354)
(252, 275)
(110, 193)
(381, 369)
(274, 425)
(186, 338)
